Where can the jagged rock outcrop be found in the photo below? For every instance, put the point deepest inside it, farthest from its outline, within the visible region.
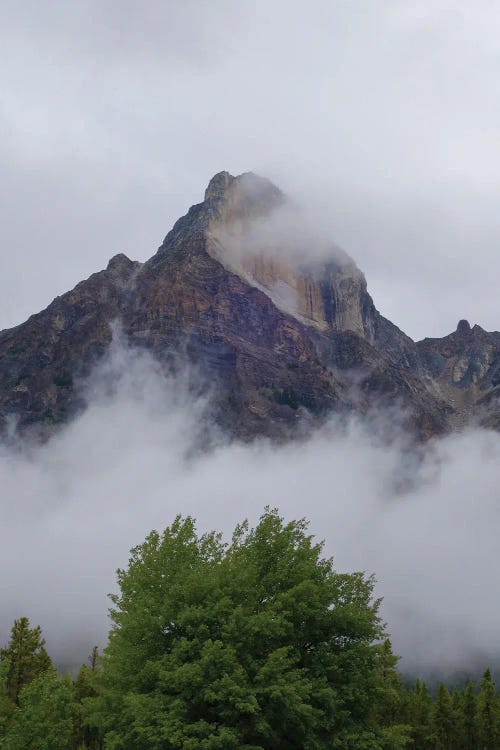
(464, 369)
(274, 339)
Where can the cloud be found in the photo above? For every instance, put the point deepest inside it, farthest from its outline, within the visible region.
(70, 510)
(290, 233)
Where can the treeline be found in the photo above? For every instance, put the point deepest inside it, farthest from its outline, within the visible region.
(457, 719)
(41, 709)
(254, 645)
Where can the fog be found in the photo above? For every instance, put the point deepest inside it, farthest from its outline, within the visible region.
(292, 232)
(71, 510)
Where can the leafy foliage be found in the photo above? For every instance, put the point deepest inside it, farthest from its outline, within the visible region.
(7, 705)
(45, 719)
(256, 644)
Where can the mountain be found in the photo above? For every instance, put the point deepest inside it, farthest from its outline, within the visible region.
(278, 342)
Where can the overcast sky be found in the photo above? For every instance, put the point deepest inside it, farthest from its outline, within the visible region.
(384, 116)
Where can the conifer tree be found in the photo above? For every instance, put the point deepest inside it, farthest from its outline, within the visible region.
(389, 696)
(444, 720)
(457, 703)
(93, 658)
(420, 716)
(469, 720)
(26, 655)
(488, 714)
(84, 688)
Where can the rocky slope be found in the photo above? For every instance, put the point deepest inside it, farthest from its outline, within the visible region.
(464, 370)
(277, 342)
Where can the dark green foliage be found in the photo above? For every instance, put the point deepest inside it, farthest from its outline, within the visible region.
(84, 689)
(460, 721)
(419, 715)
(389, 698)
(94, 658)
(259, 644)
(254, 645)
(457, 704)
(444, 720)
(46, 716)
(469, 726)
(488, 714)
(7, 705)
(26, 657)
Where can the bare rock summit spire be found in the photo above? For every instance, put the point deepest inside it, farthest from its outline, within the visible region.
(280, 339)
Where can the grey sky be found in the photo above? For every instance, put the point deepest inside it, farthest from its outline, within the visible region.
(383, 116)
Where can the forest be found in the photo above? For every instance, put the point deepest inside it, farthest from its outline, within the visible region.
(254, 644)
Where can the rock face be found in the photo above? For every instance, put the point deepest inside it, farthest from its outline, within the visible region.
(464, 369)
(275, 340)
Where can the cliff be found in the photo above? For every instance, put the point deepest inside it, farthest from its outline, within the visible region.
(278, 341)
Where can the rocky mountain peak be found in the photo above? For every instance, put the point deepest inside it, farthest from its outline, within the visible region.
(463, 327)
(243, 197)
(255, 232)
(119, 261)
(218, 186)
(276, 331)
(120, 268)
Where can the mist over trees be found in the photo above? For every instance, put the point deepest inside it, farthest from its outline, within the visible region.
(257, 643)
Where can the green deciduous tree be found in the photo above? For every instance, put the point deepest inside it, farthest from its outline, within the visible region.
(26, 656)
(255, 644)
(7, 705)
(45, 717)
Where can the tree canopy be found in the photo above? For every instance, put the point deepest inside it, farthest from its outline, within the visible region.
(256, 644)
(46, 717)
(259, 643)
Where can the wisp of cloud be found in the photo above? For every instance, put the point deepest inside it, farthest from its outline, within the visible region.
(71, 509)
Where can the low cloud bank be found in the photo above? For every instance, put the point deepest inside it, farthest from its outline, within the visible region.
(71, 510)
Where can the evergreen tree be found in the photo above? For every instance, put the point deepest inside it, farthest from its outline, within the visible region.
(26, 655)
(84, 688)
(488, 714)
(444, 720)
(93, 658)
(457, 704)
(257, 644)
(420, 713)
(389, 695)
(469, 721)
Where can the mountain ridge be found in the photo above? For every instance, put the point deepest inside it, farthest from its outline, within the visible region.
(274, 337)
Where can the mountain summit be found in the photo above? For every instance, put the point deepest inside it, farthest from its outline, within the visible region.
(277, 321)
